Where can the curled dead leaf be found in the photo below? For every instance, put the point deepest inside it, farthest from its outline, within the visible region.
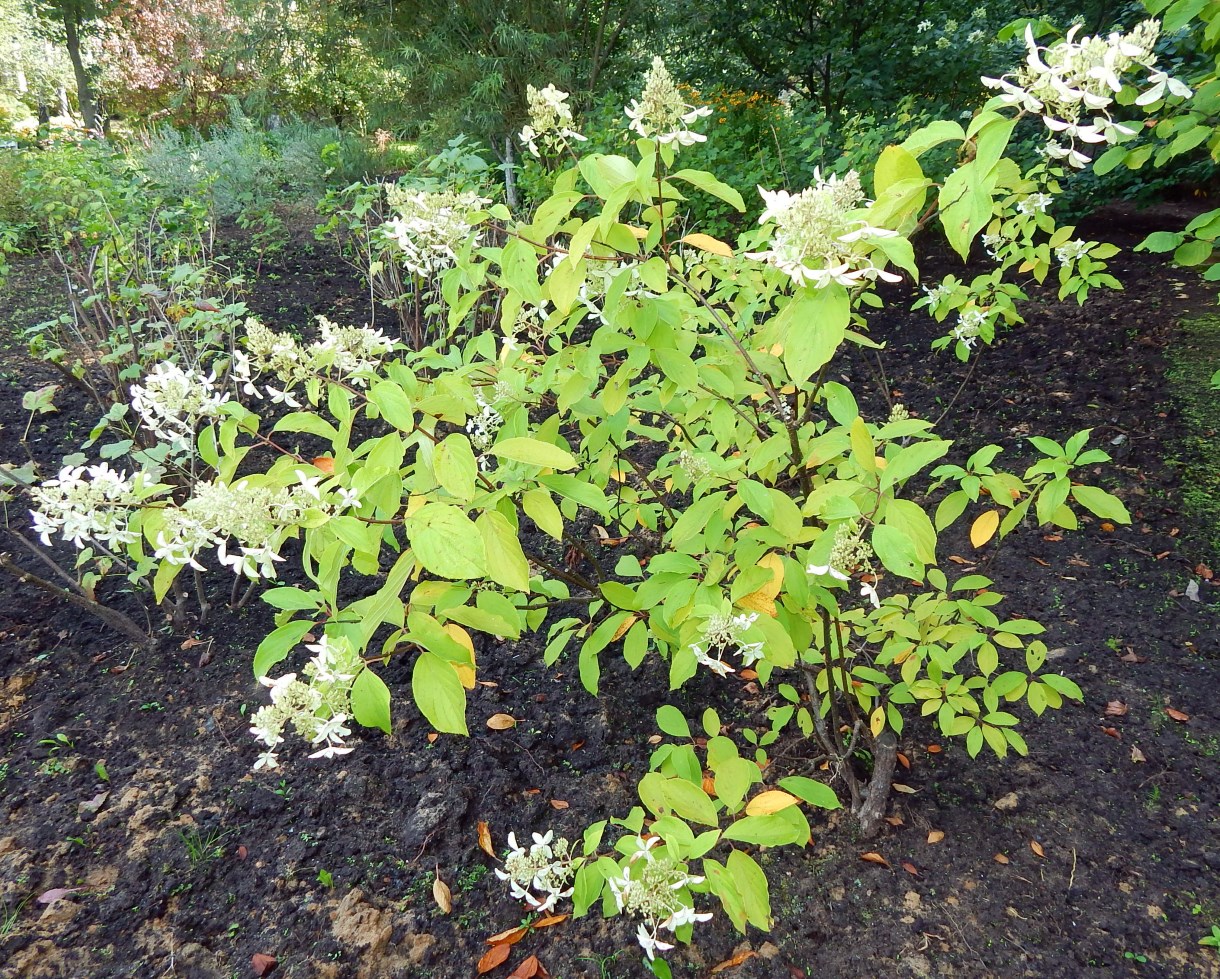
(936, 835)
(1180, 716)
(743, 956)
(441, 893)
(510, 937)
(911, 869)
(1137, 756)
(904, 761)
(263, 964)
(1112, 732)
(494, 956)
(1116, 708)
(551, 920)
(904, 789)
(529, 969)
(558, 804)
(1037, 848)
(874, 857)
(501, 722)
(894, 820)
(1000, 858)
(485, 839)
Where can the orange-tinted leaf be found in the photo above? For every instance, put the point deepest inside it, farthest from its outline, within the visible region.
(263, 964)
(621, 631)
(1112, 732)
(911, 869)
(432, 736)
(493, 957)
(528, 969)
(959, 560)
(1204, 572)
(510, 937)
(577, 745)
(894, 820)
(1116, 708)
(501, 722)
(904, 761)
(558, 804)
(1037, 848)
(1107, 526)
(485, 839)
(934, 749)
(551, 920)
(1038, 560)
(1000, 858)
(709, 785)
(735, 961)
(325, 463)
(1163, 555)
(1180, 716)
(936, 835)
(1052, 537)
(873, 857)
(748, 674)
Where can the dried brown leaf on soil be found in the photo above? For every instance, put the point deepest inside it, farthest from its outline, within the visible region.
(558, 804)
(904, 789)
(1137, 756)
(528, 969)
(501, 722)
(936, 835)
(56, 894)
(1116, 708)
(934, 749)
(910, 868)
(494, 956)
(441, 893)
(1130, 657)
(872, 856)
(1112, 732)
(510, 937)
(550, 921)
(263, 964)
(1037, 848)
(904, 761)
(734, 962)
(1000, 858)
(485, 843)
(1178, 715)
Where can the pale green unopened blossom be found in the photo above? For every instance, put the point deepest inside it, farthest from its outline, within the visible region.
(816, 237)
(655, 887)
(349, 353)
(724, 632)
(660, 112)
(550, 121)
(849, 551)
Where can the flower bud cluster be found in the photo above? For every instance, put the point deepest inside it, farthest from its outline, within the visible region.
(850, 550)
(655, 887)
(723, 632)
(1072, 85)
(88, 503)
(541, 875)
(550, 121)
(351, 353)
(660, 112)
(172, 401)
(816, 236)
(430, 227)
(317, 708)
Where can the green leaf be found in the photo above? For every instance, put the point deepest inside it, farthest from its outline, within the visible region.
(278, 644)
(447, 542)
(454, 465)
(788, 826)
(752, 886)
(439, 694)
(671, 721)
(897, 552)
(734, 776)
(1160, 241)
(910, 520)
(709, 184)
(810, 790)
(579, 491)
(664, 795)
(395, 407)
(1103, 504)
(933, 134)
(371, 700)
(721, 883)
(289, 597)
(541, 509)
(534, 453)
(506, 562)
(810, 328)
(911, 460)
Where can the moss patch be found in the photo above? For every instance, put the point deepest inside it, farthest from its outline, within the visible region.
(1194, 359)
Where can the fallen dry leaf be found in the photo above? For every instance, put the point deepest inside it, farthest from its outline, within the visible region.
(1112, 732)
(263, 964)
(936, 835)
(432, 736)
(501, 722)
(242, 852)
(577, 745)
(709, 785)
(904, 789)
(1137, 756)
(747, 674)
(911, 869)
(1116, 708)
(873, 857)
(510, 937)
(1107, 526)
(1076, 561)
(894, 820)
(56, 894)
(904, 761)
(485, 839)
(551, 920)
(1038, 560)
(1006, 802)
(528, 969)
(441, 893)
(1037, 848)
(735, 961)
(1130, 657)
(494, 956)
(1052, 537)
(655, 739)
(1180, 716)
(959, 560)
(1000, 858)
(934, 749)
(1204, 572)
(558, 804)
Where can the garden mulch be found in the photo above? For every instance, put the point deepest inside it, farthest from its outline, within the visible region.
(1097, 855)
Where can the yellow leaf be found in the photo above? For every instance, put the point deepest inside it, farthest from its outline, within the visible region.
(462, 638)
(759, 603)
(763, 600)
(876, 723)
(770, 801)
(640, 233)
(622, 629)
(708, 244)
(984, 528)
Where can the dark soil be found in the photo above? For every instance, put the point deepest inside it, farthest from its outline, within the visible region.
(1098, 855)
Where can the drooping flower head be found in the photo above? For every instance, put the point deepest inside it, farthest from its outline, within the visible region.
(432, 226)
(550, 122)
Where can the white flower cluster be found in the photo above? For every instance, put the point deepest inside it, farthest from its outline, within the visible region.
(850, 551)
(546, 868)
(317, 708)
(257, 517)
(815, 233)
(970, 325)
(1073, 251)
(172, 401)
(1072, 85)
(88, 503)
(550, 121)
(482, 428)
(660, 112)
(655, 887)
(722, 631)
(352, 353)
(431, 226)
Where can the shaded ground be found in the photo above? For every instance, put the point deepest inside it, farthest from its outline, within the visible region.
(1097, 855)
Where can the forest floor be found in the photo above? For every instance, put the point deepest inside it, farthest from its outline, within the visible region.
(1097, 855)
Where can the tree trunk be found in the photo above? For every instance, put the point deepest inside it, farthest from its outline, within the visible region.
(872, 807)
(510, 178)
(84, 89)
